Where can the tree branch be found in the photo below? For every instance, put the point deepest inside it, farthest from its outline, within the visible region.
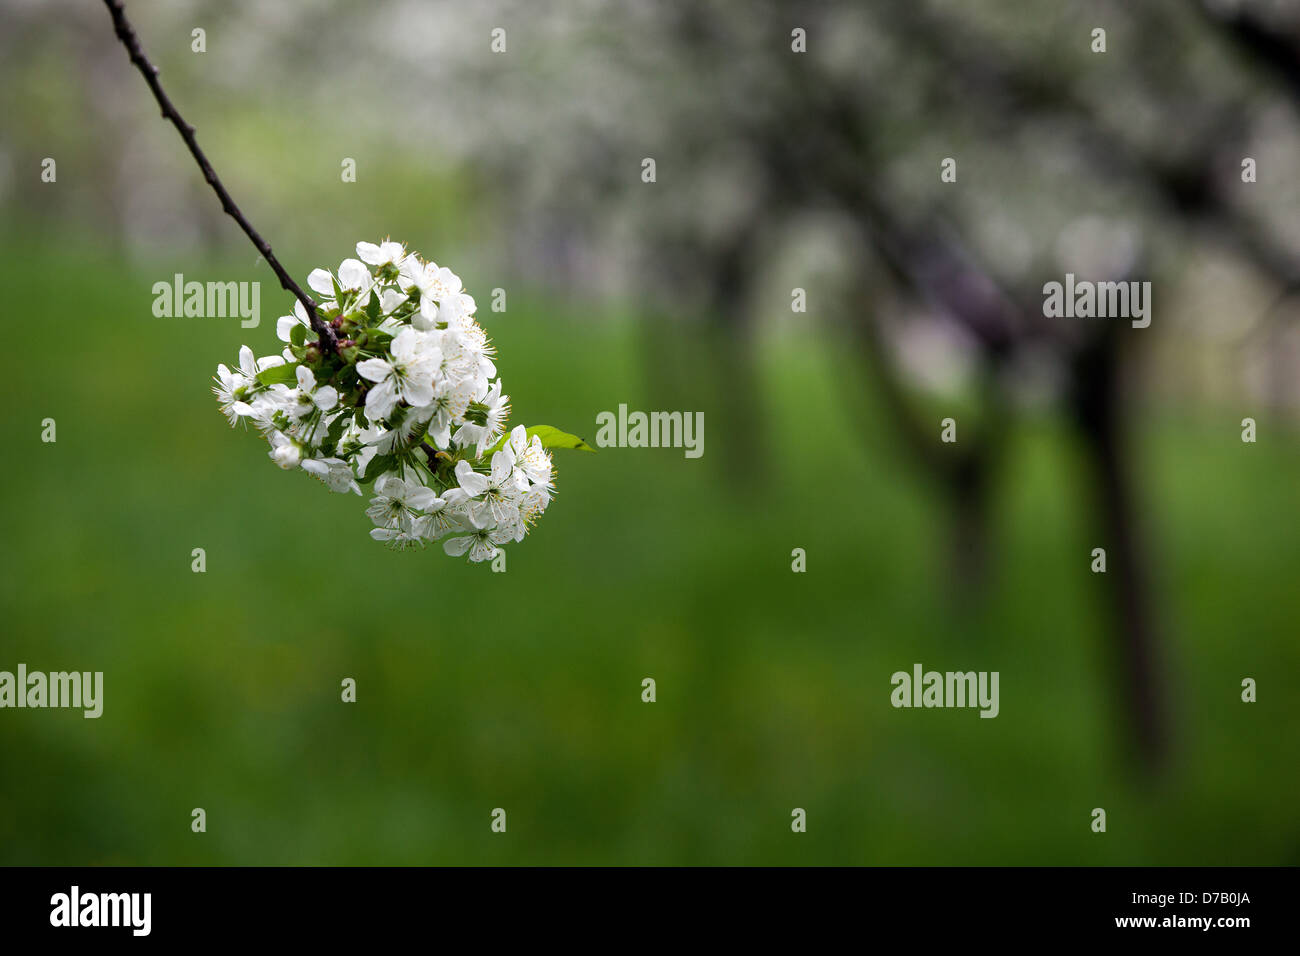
(126, 34)
(1256, 40)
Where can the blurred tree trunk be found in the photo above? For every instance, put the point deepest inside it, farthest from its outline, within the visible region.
(961, 473)
(738, 388)
(1097, 404)
(969, 489)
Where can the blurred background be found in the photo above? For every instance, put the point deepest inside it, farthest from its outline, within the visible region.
(775, 170)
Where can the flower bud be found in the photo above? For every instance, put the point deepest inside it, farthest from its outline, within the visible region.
(288, 455)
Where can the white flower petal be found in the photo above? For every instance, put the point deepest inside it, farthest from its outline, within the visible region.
(325, 397)
(470, 481)
(380, 400)
(418, 392)
(455, 546)
(405, 346)
(375, 369)
(353, 274)
(321, 281)
(421, 499)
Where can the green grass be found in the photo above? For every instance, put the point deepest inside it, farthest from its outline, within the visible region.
(522, 690)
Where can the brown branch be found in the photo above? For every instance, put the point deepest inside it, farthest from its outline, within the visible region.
(126, 34)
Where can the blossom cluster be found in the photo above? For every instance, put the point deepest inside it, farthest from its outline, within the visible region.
(404, 397)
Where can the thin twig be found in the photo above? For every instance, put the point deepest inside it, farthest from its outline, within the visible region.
(126, 34)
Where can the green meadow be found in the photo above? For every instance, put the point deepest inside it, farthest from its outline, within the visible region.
(522, 690)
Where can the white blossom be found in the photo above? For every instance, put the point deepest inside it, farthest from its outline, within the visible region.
(405, 375)
(409, 402)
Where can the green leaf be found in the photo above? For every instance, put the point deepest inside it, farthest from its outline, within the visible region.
(285, 374)
(344, 377)
(551, 437)
(373, 310)
(377, 466)
(298, 334)
(335, 431)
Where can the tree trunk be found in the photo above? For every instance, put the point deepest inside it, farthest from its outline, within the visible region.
(1097, 400)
